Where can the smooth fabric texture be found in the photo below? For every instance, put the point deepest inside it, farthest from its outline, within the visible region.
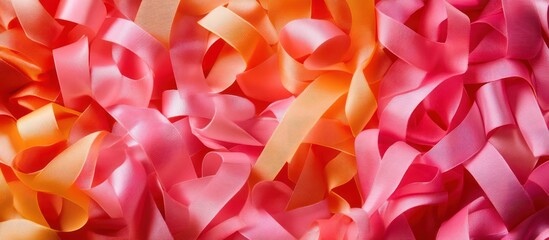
(274, 119)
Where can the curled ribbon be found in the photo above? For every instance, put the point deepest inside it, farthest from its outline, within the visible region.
(231, 119)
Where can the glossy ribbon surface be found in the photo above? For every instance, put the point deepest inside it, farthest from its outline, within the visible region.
(274, 119)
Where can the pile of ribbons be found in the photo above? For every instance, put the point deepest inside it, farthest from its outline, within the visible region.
(274, 119)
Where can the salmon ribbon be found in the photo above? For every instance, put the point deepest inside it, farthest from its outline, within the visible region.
(332, 64)
(274, 119)
(91, 59)
(326, 70)
(462, 130)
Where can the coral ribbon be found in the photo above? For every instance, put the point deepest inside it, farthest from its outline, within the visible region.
(233, 119)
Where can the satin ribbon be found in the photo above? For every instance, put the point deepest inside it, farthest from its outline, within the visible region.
(273, 119)
(481, 125)
(343, 57)
(35, 181)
